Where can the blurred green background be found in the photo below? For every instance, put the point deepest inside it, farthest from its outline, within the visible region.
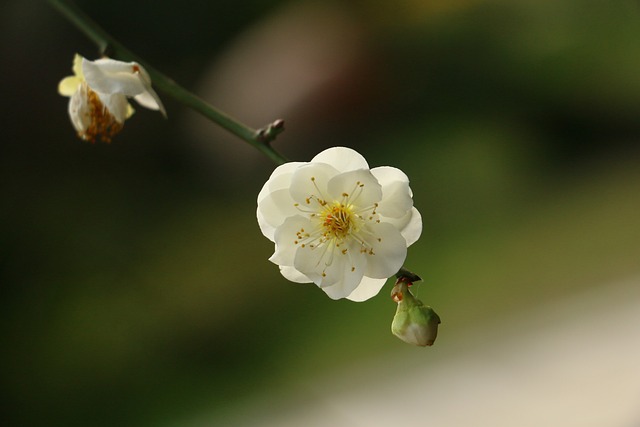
(136, 289)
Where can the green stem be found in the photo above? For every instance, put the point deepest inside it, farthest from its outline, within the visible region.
(260, 138)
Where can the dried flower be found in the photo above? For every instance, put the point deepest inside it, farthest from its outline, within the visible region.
(98, 93)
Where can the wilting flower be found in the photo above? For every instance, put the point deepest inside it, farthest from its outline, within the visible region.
(337, 223)
(98, 93)
(414, 322)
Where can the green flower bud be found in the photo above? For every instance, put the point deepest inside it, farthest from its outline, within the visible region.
(414, 322)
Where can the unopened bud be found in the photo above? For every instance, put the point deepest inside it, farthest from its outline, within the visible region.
(414, 322)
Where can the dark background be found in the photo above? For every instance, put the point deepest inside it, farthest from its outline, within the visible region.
(135, 283)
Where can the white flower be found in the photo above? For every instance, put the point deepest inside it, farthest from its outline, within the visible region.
(98, 93)
(337, 223)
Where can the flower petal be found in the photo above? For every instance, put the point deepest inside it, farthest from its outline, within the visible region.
(286, 237)
(410, 225)
(77, 66)
(396, 200)
(313, 261)
(333, 270)
(342, 158)
(294, 275)
(412, 231)
(150, 99)
(387, 175)
(367, 288)
(79, 111)
(273, 210)
(280, 178)
(309, 184)
(360, 187)
(267, 229)
(109, 76)
(130, 111)
(340, 289)
(117, 105)
(388, 250)
(69, 85)
(113, 66)
(346, 274)
(396, 194)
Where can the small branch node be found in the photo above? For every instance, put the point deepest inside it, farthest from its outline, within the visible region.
(268, 133)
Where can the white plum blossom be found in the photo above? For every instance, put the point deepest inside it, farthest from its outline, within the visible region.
(98, 93)
(337, 223)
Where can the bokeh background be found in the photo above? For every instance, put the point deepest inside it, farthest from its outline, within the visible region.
(135, 287)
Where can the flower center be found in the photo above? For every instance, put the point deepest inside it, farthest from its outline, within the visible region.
(338, 221)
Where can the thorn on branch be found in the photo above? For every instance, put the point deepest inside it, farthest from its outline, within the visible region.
(269, 132)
